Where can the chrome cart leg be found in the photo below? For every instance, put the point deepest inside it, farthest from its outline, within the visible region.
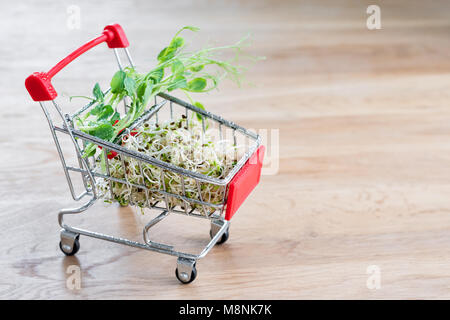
(216, 225)
(186, 271)
(146, 236)
(70, 243)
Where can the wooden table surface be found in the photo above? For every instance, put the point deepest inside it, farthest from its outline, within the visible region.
(364, 153)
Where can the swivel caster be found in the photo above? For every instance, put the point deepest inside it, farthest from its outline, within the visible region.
(223, 238)
(186, 272)
(216, 226)
(70, 243)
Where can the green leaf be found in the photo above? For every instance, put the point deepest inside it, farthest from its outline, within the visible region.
(156, 75)
(106, 112)
(144, 91)
(148, 93)
(104, 131)
(197, 68)
(177, 42)
(169, 52)
(90, 150)
(178, 82)
(117, 82)
(166, 54)
(102, 111)
(200, 106)
(177, 67)
(196, 85)
(97, 92)
(115, 117)
(141, 90)
(97, 109)
(130, 86)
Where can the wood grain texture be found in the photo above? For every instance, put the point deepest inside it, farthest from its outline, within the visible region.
(363, 177)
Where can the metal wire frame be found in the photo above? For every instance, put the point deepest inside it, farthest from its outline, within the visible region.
(88, 171)
(153, 111)
(89, 175)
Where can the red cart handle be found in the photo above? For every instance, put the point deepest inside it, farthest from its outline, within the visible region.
(39, 84)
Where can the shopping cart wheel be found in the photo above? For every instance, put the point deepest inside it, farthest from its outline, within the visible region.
(223, 238)
(70, 251)
(70, 242)
(186, 271)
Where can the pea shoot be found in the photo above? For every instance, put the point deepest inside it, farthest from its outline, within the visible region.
(176, 69)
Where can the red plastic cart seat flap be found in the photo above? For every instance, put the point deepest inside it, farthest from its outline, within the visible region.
(244, 182)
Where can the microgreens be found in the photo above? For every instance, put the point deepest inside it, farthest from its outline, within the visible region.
(176, 69)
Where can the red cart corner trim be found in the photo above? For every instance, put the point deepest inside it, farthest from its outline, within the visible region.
(117, 39)
(40, 87)
(244, 182)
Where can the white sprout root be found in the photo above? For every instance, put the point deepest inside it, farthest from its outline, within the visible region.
(182, 144)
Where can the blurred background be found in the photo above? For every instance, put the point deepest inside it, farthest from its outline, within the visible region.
(357, 206)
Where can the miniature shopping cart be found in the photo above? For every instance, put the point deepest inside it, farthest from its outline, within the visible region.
(236, 186)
